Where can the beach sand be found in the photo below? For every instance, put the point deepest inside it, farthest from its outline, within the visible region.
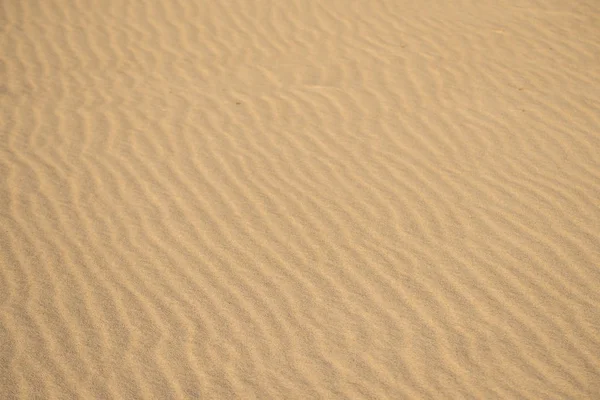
(300, 199)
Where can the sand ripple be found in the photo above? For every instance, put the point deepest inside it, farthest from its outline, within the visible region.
(301, 199)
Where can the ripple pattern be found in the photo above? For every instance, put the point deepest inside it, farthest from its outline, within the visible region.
(299, 199)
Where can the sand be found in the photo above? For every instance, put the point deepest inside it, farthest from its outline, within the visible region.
(300, 199)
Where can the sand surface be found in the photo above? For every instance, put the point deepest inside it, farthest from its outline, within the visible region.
(299, 199)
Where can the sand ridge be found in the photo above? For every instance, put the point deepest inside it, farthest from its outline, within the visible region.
(301, 199)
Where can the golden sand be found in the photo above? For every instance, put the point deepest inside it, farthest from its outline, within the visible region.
(300, 199)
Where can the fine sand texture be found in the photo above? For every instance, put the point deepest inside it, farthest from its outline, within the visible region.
(302, 199)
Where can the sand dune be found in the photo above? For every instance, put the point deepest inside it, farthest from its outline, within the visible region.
(300, 199)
